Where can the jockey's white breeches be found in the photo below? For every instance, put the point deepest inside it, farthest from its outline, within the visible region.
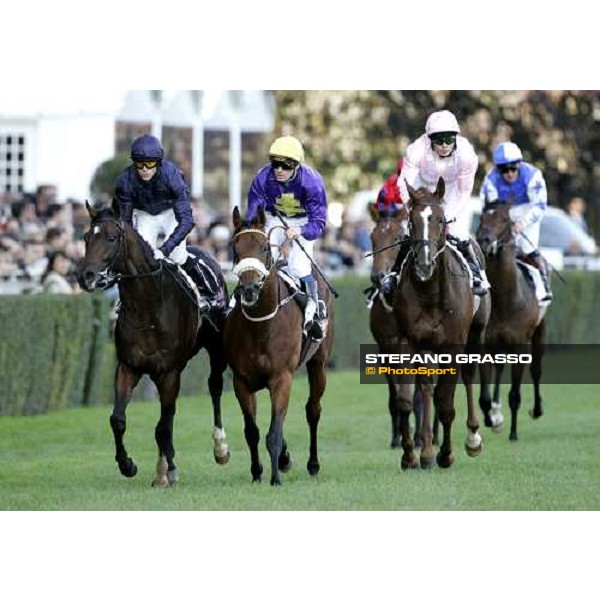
(151, 227)
(298, 263)
(528, 242)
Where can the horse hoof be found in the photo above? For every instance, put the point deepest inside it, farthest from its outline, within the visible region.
(473, 452)
(445, 461)
(535, 415)
(128, 468)
(285, 462)
(396, 442)
(427, 462)
(222, 460)
(513, 437)
(173, 476)
(313, 468)
(276, 482)
(161, 482)
(410, 462)
(257, 474)
(498, 428)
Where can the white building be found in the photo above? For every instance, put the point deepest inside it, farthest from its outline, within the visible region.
(60, 138)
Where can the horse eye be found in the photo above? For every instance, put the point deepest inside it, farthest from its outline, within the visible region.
(111, 238)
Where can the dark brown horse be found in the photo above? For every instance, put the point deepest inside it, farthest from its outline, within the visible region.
(389, 228)
(517, 321)
(436, 310)
(158, 331)
(263, 340)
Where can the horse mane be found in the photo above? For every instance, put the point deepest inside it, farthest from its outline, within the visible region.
(494, 205)
(109, 214)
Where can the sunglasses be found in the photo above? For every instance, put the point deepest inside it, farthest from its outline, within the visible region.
(281, 164)
(149, 164)
(438, 140)
(508, 168)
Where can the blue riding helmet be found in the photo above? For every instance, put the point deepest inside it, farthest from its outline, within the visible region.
(507, 152)
(147, 147)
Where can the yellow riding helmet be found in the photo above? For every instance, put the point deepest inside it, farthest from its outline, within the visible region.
(287, 147)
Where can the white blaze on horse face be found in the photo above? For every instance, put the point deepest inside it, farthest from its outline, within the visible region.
(425, 216)
(96, 230)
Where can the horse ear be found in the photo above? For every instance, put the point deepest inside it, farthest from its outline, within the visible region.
(261, 219)
(411, 190)
(236, 218)
(440, 190)
(91, 210)
(373, 211)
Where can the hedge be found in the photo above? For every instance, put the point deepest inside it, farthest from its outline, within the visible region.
(56, 351)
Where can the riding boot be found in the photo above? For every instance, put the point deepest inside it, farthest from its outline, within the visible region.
(539, 262)
(390, 282)
(209, 298)
(312, 319)
(466, 249)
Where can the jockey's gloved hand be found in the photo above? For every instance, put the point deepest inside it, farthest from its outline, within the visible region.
(158, 254)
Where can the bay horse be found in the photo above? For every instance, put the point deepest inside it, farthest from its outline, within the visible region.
(437, 311)
(158, 330)
(517, 322)
(263, 341)
(389, 228)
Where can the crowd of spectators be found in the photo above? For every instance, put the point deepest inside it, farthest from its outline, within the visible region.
(41, 241)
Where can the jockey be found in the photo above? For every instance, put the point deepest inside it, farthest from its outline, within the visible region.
(154, 197)
(442, 152)
(514, 180)
(388, 199)
(296, 193)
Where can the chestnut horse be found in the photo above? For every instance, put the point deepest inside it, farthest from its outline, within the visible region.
(517, 321)
(263, 341)
(158, 330)
(436, 311)
(389, 229)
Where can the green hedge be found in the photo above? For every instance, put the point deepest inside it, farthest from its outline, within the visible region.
(56, 351)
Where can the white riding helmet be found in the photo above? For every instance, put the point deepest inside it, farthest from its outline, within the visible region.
(441, 121)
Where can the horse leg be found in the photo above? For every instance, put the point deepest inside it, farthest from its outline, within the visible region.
(444, 391)
(496, 415)
(537, 351)
(418, 413)
(409, 460)
(427, 458)
(514, 399)
(485, 398)
(317, 380)
(168, 389)
(218, 364)
(247, 402)
(436, 425)
(280, 390)
(474, 443)
(394, 408)
(125, 382)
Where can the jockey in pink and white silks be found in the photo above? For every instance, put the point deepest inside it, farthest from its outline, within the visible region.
(519, 182)
(442, 152)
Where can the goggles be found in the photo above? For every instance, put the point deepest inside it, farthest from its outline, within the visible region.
(443, 138)
(286, 165)
(511, 168)
(149, 164)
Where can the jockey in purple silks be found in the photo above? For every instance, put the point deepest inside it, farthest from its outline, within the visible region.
(289, 189)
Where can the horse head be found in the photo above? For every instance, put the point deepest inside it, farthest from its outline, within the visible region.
(427, 228)
(106, 250)
(252, 256)
(494, 230)
(390, 227)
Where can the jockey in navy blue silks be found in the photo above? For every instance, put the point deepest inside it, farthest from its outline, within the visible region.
(296, 192)
(521, 183)
(154, 197)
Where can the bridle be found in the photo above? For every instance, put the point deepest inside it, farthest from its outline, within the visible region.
(437, 246)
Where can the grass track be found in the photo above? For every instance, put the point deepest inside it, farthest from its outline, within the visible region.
(65, 460)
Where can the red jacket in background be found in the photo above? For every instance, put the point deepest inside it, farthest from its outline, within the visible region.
(389, 198)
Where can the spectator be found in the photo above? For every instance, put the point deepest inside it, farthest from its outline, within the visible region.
(55, 279)
(576, 210)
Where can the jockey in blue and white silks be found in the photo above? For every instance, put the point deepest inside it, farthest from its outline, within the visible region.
(521, 183)
(296, 192)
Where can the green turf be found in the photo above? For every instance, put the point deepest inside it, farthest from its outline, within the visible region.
(64, 460)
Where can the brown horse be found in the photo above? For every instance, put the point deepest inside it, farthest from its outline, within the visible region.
(517, 321)
(389, 228)
(263, 341)
(436, 311)
(158, 331)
